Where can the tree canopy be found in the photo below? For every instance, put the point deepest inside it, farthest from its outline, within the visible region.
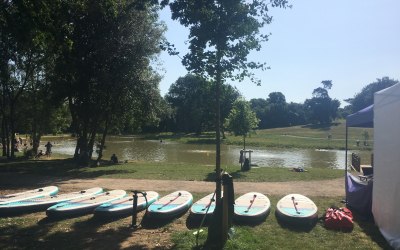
(241, 119)
(366, 96)
(321, 108)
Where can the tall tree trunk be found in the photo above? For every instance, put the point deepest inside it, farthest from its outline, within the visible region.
(218, 127)
(12, 130)
(103, 140)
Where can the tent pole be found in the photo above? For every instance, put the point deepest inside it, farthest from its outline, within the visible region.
(346, 148)
(345, 167)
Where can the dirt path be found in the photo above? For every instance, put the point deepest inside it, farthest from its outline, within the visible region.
(333, 187)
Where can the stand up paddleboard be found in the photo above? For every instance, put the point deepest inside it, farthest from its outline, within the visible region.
(124, 206)
(203, 206)
(251, 207)
(83, 205)
(171, 205)
(30, 194)
(43, 203)
(297, 209)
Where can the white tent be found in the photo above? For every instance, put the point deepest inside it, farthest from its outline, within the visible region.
(386, 191)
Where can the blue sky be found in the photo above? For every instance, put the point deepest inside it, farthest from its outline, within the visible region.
(351, 42)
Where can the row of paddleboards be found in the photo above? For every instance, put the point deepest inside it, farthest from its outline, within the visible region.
(252, 206)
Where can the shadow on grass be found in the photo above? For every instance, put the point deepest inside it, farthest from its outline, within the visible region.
(235, 175)
(80, 233)
(154, 222)
(195, 221)
(294, 224)
(368, 226)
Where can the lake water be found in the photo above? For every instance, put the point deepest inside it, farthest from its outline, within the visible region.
(136, 149)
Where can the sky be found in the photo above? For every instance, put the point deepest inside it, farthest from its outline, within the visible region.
(351, 42)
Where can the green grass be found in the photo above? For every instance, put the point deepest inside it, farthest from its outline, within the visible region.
(270, 234)
(289, 137)
(66, 168)
(35, 231)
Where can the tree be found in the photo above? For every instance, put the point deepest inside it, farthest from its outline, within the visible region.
(259, 106)
(277, 110)
(189, 96)
(241, 119)
(366, 96)
(296, 114)
(25, 39)
(222, 34)
(321, 108)
(103, 69)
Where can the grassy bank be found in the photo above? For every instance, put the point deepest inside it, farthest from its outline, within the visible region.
(35, 231)
(290, 137)
(66, 168)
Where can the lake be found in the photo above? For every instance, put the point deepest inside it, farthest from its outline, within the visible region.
(136, 149)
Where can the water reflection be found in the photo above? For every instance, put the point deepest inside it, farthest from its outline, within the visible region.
(135, 149)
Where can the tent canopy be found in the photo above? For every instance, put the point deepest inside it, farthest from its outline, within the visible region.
(359, 195)
(363, 118)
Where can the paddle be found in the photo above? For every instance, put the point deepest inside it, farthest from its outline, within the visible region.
(179, 194)
(294, 204)
(251, 203)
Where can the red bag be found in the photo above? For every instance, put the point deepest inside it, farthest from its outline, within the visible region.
(339, 219)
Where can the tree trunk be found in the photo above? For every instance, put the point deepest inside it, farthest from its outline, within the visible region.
(12, 130)
(103, 141)
(3, 138)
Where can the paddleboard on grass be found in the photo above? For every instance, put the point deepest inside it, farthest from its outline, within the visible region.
(297, 209)
(171, 205)
(124, 206)
(83, 205)
(251, 207)
(204, 205)
(43, 203)
(30, 194)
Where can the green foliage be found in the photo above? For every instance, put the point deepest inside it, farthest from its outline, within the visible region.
(241, 119)
(222, 34)
(104, 70)
(193, 100)
(321, 108)
(190, 97)
(366, 95)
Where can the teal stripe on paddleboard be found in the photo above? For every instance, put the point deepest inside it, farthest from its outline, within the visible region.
(68, 205)
(161, 207)
(302, 211)
(202, 208)
(252, 210)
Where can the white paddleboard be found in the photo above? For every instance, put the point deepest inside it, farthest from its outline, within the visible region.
(83, 205)
(124, 206)
(171, 205)
(30, 194)
(204, 205)
(37, 204)
(251, 207)
(297, 208)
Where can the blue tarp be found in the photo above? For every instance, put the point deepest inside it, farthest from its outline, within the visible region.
(363, 118)
(359, 195)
